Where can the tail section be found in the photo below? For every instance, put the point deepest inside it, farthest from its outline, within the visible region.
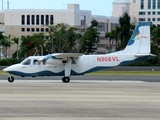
(139, 42)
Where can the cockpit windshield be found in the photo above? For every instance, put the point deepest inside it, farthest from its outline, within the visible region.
(27, 61)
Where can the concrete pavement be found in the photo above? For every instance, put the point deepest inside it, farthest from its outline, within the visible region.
(79, 100)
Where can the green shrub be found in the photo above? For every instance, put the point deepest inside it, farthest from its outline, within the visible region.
(10, 61)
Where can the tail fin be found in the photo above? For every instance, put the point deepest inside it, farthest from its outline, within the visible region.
(139, 42)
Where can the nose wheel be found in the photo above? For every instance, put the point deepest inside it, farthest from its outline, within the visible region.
(66, 79)
(10, 79)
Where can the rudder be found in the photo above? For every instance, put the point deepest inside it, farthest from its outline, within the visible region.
(139, 42)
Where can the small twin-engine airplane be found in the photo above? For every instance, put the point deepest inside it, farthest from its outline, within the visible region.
(67, 64)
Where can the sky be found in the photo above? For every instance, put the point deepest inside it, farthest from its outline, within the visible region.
(97, 7)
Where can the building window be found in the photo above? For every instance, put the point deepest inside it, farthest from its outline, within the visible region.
(158, 13)
(113, 25)
(141, 19)
(149, 19)
(83, 20)
(37, 19)
(22, 37)
(153, 13)
(149, 13)
(154, 4)
(149, 4)
(158, 19)
(153, 19)
(37, 29)
(101, 27)
(33, 19)
(28, 29)
(42, 29)
(134, 1)
(142, 4)
(47, 29)
(42, 19)
(142, 13)
(32, 29)
(23, 29)
(158, 5)
(47, 19)
(51, 19)
(23, 19)
(101, 45)
(28, 19)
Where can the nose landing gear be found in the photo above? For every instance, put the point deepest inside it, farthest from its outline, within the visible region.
(10, 79)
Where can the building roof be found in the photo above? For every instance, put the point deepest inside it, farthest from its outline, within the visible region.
(121, 1)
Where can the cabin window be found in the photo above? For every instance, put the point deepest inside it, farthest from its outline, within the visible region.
(36, 62)
(26, 62)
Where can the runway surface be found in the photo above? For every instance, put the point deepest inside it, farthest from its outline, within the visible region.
(79, 100)
(92, 78)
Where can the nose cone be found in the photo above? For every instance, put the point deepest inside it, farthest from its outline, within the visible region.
(10, 68)
(7, 69)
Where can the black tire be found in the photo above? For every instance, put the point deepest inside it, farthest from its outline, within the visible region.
(11, 79)
(66, 79)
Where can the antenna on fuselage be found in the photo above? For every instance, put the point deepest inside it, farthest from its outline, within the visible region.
(85, 52)
(35, 53)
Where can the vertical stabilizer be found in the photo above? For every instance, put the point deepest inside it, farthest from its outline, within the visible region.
(139, 42)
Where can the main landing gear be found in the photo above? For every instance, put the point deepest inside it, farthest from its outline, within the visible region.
(10, 79)
(66, 79)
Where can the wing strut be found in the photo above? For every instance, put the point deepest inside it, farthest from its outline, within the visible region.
(67, 68)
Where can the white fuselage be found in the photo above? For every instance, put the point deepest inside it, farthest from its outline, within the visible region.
(80, 65)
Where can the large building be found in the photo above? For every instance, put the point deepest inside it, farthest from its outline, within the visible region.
(139, 10)
(120, 6)
(145, 10)
(22, 22)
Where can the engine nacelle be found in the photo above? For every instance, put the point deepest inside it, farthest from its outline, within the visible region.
(54, 61)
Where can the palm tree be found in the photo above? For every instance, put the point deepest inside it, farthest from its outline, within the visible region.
(90, 38)
(16, 41)
(5, 43)
(1, 38)
(71, 40)
(32, 44)
(124, 33)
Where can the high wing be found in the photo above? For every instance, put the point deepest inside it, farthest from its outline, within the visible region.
(59, 58)
(66, 55)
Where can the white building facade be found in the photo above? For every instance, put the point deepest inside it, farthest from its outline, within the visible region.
(23, 22)
(120, 6)
(145, 10)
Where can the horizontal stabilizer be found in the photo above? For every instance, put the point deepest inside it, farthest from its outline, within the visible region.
(143, 55)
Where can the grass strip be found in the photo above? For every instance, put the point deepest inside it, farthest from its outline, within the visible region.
(141, 73)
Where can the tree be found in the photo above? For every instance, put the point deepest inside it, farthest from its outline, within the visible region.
(155, 48)
(16, 41)
(63, 38)
(113, 36)
(124, 34)
(72, 38)
(32, 44)
(90, 38)
(1, 38)
(56, 37)
(5, 43)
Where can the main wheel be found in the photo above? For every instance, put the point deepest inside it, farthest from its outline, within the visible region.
(10, 79)
(66, 79)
